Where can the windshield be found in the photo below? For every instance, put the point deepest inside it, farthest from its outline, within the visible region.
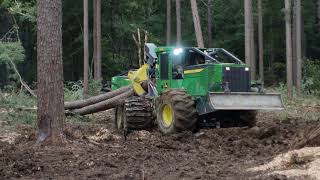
(223, 56)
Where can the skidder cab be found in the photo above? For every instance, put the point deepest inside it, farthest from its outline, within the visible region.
(186, 85)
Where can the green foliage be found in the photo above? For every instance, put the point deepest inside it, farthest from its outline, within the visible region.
(73, 91)
(11, 50)
(95, 87)
(311, 77)
(25, 11)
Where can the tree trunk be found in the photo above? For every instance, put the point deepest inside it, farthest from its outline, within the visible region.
(94, 35)
(97, 39)
(318, 15)
(294, 40)
(209, 18)
(95, 99)
(261, 54)
(178, 16)
(298, 46)
(85, 48)
(168, 22)
(249, 37)
(104, 105)
(289, 47)
(50, 114)
(196, 23)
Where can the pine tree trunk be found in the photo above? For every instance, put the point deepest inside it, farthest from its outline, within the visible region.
(209, 18)
(196, 23)
(104, 105)
(94, 35)
(99, 52)
(294, 40)
(50, 119)
(318, 15)
(178, 16)
(249, 37)
(168, 22)
(289, 47)
(298, 46)
(95, 99)
(85, 48)
(261, 54)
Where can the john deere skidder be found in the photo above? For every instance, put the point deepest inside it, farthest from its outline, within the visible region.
(179, 88)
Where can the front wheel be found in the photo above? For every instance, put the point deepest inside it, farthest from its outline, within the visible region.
(175, 111)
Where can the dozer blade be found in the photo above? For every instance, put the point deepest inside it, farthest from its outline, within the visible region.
(246, 101)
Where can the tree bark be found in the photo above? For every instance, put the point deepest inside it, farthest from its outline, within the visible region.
(178, 16)
(249, 37)
(94, 35)
(289, 47)
(104, 105)
(318, 15)
(99, 52)
(196, 23)
(50, 113)
(95, 99)
(85, 48)
(168, 22)
(294, 41)
(298, 46)
(261, 54)
(209, 18)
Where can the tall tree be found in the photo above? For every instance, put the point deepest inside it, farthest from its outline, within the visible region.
(318, 14)
(178, 16)
(97, 38)
(85, 48)
(99, 52)
(260, 31)
(94, 35)
(50, 72)
(289, 47)
(249, 37)
(168, 22)
(209, 18)
(298, 45)
(196, 23)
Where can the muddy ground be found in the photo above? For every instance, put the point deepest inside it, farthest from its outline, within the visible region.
(96, 150)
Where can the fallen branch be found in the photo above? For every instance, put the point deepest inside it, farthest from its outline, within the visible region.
(104, 105)
(95, 99)
(21, 80)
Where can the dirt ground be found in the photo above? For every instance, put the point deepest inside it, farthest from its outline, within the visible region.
(96, 150)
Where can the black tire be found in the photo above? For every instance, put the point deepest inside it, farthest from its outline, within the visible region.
(139, 114)
(183, 112)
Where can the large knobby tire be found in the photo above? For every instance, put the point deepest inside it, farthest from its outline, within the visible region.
(139, 113)
(175, 111)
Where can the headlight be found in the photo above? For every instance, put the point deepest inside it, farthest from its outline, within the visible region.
(228, 68)
(246, 69)
(177, 51)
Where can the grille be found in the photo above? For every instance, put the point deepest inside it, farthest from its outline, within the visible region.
(238, 79)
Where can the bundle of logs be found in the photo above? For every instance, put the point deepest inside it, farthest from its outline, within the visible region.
(99, 103)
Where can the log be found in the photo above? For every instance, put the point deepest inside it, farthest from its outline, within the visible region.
(311, 139)
(95, 99)
(104, 105)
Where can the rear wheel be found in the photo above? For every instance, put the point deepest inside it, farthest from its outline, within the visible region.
(138, 112)
(175, 111)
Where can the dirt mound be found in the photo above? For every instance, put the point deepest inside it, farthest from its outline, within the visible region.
(98, 151)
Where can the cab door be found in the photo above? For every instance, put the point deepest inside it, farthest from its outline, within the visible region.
(164, 75)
